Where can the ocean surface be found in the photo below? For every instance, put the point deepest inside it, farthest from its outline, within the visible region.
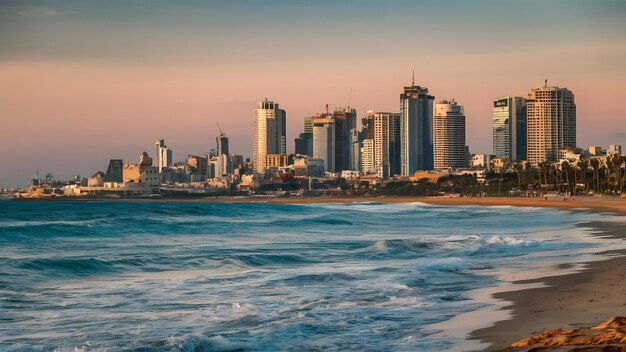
(182, 276)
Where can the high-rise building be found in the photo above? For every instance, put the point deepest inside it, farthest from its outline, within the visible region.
(449, 135)
(163, 155)
(386, 147)
(308, 124)
(551, 120)
(269, 128)
(222, 144)
(416, 129)
(324, 141)
(509, 128)
(304, 144)
(345, 120)
(367, 156)
(356, 139)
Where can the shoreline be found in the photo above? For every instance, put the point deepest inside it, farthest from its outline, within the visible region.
(569, 299)
(591, 204)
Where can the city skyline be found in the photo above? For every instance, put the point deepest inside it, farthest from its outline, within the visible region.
(112, 87)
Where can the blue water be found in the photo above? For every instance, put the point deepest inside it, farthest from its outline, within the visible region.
(161, 276)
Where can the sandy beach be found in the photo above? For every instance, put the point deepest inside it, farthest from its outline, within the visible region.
(572, 300)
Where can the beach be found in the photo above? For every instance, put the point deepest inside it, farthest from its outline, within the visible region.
(581, 299)
(571, 297)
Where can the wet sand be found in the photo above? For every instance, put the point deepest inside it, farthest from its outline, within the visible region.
(614, 205)
(579, 299)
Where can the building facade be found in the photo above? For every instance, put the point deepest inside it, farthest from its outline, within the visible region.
(386, 146)
(367, 157)
(345, 120)
(324, 141)
(449, 136)
(416, 130)
(551, 119)
(509, 128)
(163, 155)
(614, 149)
(269, 133)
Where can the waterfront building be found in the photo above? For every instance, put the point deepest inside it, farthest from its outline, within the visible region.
(114, 171)
(219, 166)
(416, 129)
(324, 141)
(163, 155)
(367, 156)
(614, 149)
(304, 144)
(222, 144)
(449, 136)
(509, 128)
(345, 120)
(482, 161)
(197, 164)
(595, 151)
(356, 139)
(276, 161)
(386, 146)
(269, 128)
(551, 119)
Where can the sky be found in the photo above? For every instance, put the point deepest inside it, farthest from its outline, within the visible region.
(82, 82)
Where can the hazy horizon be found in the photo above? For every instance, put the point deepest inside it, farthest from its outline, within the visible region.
(84, 82)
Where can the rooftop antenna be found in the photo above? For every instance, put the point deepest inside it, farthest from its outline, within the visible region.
(545, 83)
(413, 79)
(326, 109)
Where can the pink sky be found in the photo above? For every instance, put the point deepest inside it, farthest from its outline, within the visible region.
(70, 115)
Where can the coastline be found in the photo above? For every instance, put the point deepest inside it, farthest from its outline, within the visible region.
(592, 204)
(575, 299)
(582, 298)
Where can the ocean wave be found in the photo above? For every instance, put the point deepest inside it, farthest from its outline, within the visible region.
(201, 343)
(422, 244)
(19, 347)
(77, 266)
(36, 223)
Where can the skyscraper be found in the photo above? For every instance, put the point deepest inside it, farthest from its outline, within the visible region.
(367, 156)
(416, 129)
(551, 119)
(509, 128)
(386, 144)
(222, 144)
(269, 128)
(449, 135)
(345, 120)
(163, 155)
(324, 141)
(304, 144)
(356, 139)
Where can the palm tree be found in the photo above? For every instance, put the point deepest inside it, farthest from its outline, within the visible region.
(564, 168)
(584, 165)
(595, 164)
(518, 168)
(616, 163)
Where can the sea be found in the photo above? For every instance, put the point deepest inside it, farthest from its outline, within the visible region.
(201, 276)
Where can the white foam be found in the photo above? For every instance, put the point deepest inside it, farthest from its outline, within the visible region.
(201, 343)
